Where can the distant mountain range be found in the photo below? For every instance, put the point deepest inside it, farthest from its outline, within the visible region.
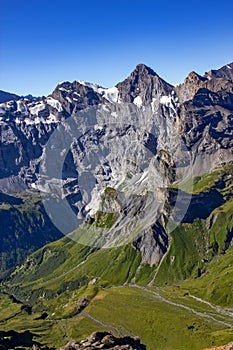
(7, 96)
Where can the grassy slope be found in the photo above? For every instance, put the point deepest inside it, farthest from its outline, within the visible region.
(216, 285)
(24, 228)
(126, 310)
(206, 273)
(199, 251)
(58, 275)
(185, 255)
(66, 265)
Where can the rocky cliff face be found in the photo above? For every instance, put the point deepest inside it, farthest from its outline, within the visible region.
(136, 138)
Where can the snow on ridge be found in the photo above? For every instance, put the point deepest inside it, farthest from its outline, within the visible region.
(90, 85)
(229, 66)
(54, 103)
(110, 94)
(37, 120)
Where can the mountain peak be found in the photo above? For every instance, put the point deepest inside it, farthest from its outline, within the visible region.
(194, 77)
(143, 82)
(225, 72)
(142, 68)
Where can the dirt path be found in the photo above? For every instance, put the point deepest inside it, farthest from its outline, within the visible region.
(218, 309)
(165, 300)
(105, 325)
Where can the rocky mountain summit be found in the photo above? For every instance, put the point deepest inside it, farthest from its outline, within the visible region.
(136, 138)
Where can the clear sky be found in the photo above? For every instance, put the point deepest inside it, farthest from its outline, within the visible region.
(43, 42)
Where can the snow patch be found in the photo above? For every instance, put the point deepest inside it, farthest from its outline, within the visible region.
(166, 100)
(9, 104)
(169, 101)
(37, 120)
(52, 119)
(98, 127)
(229, 66)
(68, 99)
(2, 108)
(17, 120)
(75, 93)
(21, 107)
(110, 94)
(63, 152)
(63, 89)
(138, 101)
(153, 104)
(54, 103)
(37, 108)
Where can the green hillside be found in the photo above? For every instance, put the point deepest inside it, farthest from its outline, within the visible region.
(67, 290)
(24, 228)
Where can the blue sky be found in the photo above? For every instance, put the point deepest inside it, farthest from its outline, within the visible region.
(45, 42)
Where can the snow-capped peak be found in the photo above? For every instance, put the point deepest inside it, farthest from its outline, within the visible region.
(110, 94)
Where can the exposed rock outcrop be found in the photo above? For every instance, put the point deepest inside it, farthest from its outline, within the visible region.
(102, 340)
(224, 347)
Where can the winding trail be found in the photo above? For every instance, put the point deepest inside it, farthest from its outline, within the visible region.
(62, 322)
(165, 300)
(85, 314)
(218, 309)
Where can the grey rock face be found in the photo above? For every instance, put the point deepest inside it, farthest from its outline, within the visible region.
(137, 138)
(143, 82)
(226, 72)
(190, 86)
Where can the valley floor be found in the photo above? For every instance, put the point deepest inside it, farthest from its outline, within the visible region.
(164, 318)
